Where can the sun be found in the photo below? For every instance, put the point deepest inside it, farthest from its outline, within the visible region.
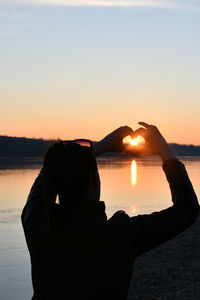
(134, 142)
(137, 141)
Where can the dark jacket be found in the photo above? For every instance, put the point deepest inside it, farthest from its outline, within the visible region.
(90, 257)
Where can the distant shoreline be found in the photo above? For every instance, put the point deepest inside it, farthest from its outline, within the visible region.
(27, 147)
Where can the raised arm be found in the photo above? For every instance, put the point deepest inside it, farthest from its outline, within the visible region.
(113, 142)
(149, 231)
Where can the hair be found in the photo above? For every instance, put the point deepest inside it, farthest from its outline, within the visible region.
(67, 170)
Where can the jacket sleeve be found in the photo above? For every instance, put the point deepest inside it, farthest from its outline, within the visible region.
(35, 206)
(151, 230)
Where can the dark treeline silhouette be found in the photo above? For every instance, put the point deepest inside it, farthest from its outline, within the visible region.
(31, 147)
(185, 150)
(21, 146)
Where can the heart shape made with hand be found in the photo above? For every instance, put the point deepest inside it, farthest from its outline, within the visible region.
(135, 141)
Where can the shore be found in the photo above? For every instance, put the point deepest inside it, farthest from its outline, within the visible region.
(170, 271)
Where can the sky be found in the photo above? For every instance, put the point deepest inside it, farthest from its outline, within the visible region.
(82, 68)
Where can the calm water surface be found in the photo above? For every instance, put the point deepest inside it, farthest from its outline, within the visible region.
(136, 186)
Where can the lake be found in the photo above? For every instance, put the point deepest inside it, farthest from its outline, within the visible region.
(136, 186)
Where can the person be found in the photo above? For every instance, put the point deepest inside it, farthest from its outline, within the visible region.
(76, 252)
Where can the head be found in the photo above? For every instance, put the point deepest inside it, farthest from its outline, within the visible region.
(70, 173)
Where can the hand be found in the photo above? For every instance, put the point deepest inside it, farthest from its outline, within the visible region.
(113, 142)
(154, 142)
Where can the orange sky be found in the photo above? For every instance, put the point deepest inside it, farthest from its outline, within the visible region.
(82, 72)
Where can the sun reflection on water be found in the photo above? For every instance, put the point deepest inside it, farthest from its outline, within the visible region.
(133, 173)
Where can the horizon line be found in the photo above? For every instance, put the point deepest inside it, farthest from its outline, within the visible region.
(54, 139)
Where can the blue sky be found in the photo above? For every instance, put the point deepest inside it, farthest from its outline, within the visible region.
(70, 70)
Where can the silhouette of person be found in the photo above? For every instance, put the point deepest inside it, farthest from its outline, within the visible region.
(76, 252)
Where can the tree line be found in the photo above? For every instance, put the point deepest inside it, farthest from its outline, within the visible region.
(31, 147)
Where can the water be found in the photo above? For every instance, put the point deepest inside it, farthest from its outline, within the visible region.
(136, 186)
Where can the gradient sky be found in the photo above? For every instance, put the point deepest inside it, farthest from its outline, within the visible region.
(80, 68)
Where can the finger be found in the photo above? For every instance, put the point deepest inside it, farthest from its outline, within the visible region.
(130, 150)
(135, 151)
(144, 124)
(140, 131)
(125, 131)
(142, 149)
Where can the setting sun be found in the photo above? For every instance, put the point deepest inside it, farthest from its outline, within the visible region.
(134, 142)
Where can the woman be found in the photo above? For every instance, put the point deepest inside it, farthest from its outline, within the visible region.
(76, 252)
